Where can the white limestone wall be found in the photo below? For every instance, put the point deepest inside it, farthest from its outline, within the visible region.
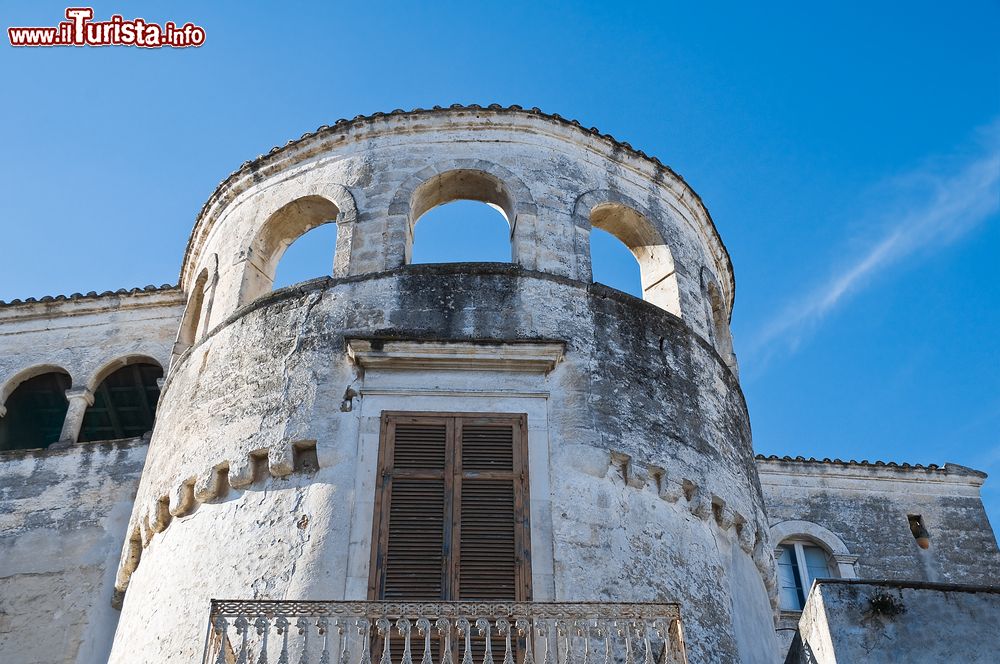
(63, 517)
(858, 513)
(883, 623)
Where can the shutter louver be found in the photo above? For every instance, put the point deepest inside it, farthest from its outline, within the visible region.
(487, 448)
(487, 569)
(415, 559)
(419, 447)
(487, 547)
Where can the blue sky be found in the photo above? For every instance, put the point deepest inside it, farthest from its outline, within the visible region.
(850, 155)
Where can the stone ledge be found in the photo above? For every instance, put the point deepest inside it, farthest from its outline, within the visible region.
(322, 285)
(83, 448)
(92, 295)
(916, 585)
(540, 357)
(826, 470)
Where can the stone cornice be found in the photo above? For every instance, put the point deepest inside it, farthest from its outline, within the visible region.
(103, 446)
(812, 471)
(913, 585)
(80, 303)
(523, 356)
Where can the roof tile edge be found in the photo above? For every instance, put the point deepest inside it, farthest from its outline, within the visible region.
(92, 295)
(950, 468)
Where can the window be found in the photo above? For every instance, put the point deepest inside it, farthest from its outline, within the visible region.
(281, 229)
(308, 257)
(656, 264)
(718, 324)
(461, 215)
(919, 530)
(191, 319)
(451, 509)
(799, 564)
(35, 412)
(124, 404)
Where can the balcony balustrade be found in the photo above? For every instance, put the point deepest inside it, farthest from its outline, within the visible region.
(304, 632)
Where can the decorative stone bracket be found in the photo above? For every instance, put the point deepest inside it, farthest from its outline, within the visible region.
(187, 493)
(753, 537)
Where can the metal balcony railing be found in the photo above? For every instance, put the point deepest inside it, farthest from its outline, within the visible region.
(280, 632)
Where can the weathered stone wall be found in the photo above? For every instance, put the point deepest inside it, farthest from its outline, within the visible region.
(643, 484)
(63, 517)
(867, 505)
(858, 513)
(645, 425)
(847, 621)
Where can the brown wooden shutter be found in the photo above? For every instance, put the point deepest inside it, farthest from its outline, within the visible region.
(485, 531)
(451, 509)
(415, 508)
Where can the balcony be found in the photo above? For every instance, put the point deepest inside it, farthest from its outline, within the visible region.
(280, 632)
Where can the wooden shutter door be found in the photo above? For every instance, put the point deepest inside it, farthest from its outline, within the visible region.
(451, 509)
(413, 503)
(489, 488)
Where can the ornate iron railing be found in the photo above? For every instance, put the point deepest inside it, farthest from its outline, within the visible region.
(280, 632)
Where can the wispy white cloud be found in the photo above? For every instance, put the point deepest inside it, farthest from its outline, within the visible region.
(930, 208)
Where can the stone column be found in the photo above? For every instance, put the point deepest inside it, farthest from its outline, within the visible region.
(80, 398)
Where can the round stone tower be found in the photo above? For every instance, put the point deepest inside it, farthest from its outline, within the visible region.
(266, 473)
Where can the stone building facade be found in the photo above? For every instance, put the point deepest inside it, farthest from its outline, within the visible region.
(615, 459)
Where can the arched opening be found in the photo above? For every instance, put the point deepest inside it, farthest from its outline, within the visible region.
(307, 257)
(281, 229)
(464, 216)
(36, 410)
(718, 323)
(613, 264)
(124, 403)
(656, 264)
(192, 317)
